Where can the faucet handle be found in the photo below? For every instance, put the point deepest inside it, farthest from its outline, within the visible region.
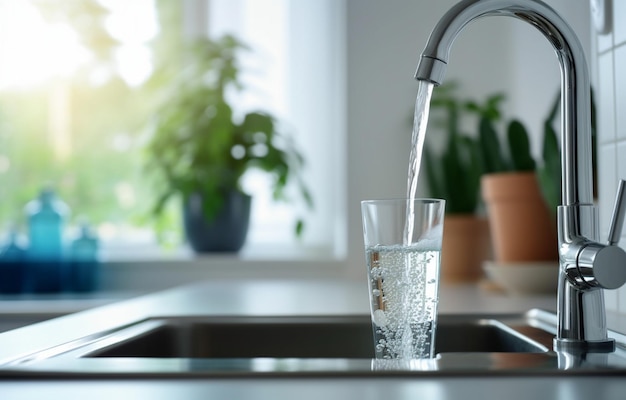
(605, 265)
(602, 265)
(619, 211)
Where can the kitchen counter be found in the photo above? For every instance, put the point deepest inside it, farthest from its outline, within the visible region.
(18, 310)
(246, 298)
(466, 388)
(59, 303)
(281, 298)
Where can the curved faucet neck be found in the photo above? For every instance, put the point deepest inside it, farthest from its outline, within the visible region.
(577, 185)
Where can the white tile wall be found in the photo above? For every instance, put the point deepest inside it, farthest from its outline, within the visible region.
(619, 29)
(607, 184)
(605, 42)
(605, 102)
(611, 94)
(620, 90)
(606, 190)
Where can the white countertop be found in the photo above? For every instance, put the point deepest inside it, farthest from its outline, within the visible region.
(17, 310)
(24, 309)
(462, 298)
(58, 303)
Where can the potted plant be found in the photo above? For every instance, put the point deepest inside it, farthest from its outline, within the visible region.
(521, 198)
(454, 175)
(200, 148)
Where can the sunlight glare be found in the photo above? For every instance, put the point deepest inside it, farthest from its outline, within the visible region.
(134, 63)
(131, 22)
(34, 51)
(134, 24)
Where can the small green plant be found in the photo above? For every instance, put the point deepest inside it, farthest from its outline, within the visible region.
(455, 174)
(496, 160)
(549, 174)
(520, 160)
(199, 146)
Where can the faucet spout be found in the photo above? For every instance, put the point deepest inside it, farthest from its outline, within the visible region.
(584, 263)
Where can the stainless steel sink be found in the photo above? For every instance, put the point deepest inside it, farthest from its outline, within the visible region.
(301, 337)
(319, 345)
(308, 345)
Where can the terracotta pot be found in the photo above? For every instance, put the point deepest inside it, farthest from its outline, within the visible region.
(521, 225)
(465, 246)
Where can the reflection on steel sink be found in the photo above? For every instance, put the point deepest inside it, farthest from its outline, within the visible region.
(303, 337)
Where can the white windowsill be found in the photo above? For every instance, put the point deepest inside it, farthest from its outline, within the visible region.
(157, 269)
(247, 254)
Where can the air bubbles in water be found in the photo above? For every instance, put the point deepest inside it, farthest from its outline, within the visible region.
(379, 317)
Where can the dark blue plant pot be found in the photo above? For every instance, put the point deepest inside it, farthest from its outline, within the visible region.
(226, 232)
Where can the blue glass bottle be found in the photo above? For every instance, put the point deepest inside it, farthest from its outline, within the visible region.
(12, 265)
(46, 220)
(84, 266)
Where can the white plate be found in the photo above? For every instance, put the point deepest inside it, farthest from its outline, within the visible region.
(524, 278)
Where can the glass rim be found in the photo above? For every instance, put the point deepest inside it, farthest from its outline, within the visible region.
(425, 200)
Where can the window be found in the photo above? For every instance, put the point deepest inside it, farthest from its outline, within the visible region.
(294, 72)
(72, 108)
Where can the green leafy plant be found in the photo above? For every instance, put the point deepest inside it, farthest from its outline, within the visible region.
(549, 174)
(455, 174)
(199, 145)
(519, 157)
(496, 160)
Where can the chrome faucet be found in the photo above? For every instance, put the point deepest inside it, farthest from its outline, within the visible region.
(586, 266)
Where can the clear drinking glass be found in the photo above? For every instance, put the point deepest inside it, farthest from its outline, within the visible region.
(403, 252)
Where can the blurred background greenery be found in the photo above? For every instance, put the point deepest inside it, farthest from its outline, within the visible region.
(83, 132)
